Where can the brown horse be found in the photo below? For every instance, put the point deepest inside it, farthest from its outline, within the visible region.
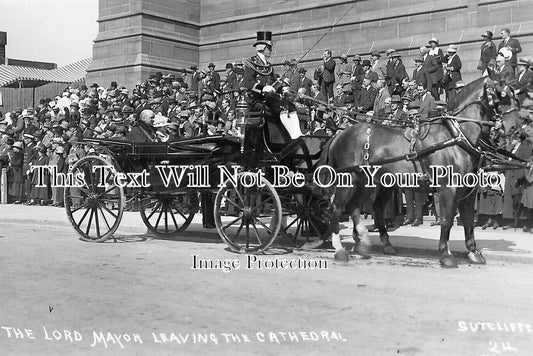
(445, 141)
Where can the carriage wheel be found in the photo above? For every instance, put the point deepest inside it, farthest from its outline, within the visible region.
(312, 216)
(169, 215)
(253, 216)
(95, 208)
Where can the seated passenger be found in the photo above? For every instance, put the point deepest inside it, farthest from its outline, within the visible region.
(143, 131)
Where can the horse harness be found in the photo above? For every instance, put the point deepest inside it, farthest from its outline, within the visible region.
(484, 151)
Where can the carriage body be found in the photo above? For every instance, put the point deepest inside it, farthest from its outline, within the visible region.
(209, 164)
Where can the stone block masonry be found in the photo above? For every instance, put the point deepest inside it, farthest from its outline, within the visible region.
(140, 37)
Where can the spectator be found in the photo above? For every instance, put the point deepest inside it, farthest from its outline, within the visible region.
(452, 68)
(489, 52)
(512, 44)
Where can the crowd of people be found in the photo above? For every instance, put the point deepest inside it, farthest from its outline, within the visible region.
(200, 102)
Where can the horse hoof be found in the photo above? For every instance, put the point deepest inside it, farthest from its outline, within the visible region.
(341, 256)
(448, 262)
(389, 250)
(477, 258)
(364, 251)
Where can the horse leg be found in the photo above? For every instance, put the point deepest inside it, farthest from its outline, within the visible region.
(448, 207)
(360, 235)
(341, 196)
(466, 209)
(382, 197)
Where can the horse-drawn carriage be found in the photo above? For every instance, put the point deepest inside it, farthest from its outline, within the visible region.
(164, 181)
(250, 212)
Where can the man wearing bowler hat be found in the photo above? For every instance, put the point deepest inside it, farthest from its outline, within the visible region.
(488, 53)
(303, 81)
(231, 78)
(215, 77)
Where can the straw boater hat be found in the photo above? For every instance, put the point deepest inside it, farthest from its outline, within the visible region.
(452, 48)
(433, 39)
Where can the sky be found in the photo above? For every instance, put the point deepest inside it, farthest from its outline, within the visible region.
(58, 31)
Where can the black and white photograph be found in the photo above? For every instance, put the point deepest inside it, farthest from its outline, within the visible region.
(252, 177)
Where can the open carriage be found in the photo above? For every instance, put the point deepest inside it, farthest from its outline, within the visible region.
(165, 181)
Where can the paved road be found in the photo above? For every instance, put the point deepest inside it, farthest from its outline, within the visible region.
(63, 296)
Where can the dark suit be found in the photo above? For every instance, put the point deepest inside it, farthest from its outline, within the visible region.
(524, 80)
(488, 55)
(431, 67)
(357, 72)
(215, 81)
(328, 79)
(515, 47)
(513, 178)
(396, 74)
(305, 83)
(365, 98)
(421, 76)
(454, 75)
(231, 81)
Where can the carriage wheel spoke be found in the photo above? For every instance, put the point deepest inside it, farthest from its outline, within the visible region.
(231, 223)
(89, 223)
(261, 204)
(257, 233)
(238, 232)
(109, 211)
(103, 215)
(84, 205)
(154, 210)
(105, 192)
(97, 222)
(166, 220)
(247, 235)
(298, 228)
(228, 200)
(83, 217)
(174, 219)
(263, 225)
(313, 226)
(178, 210)
(240, 196)
(159, 217)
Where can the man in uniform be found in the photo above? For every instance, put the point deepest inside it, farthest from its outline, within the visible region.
(258, 72)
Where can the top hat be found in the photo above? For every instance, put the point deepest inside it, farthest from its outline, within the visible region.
(264, 37)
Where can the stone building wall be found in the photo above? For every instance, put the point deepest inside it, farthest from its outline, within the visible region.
(139, 37)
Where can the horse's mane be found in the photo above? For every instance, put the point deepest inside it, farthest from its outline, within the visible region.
(471, 92)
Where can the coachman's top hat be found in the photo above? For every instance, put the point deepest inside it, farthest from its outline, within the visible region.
(264, 37)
